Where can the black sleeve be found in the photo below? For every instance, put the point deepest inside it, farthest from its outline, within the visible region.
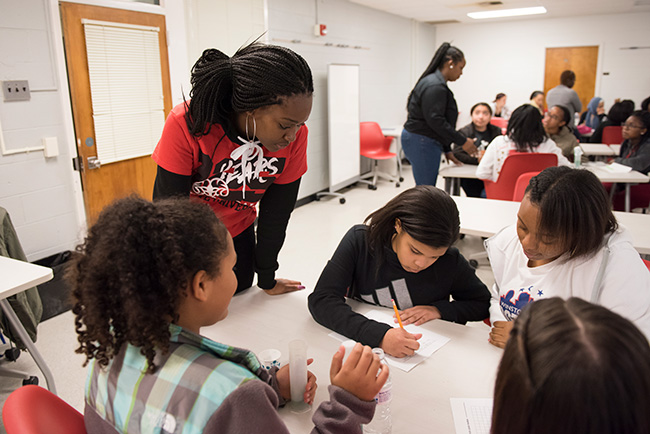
(434, 105)
(471, 298)
(170, 184)
(275, 209)
(597, 136)
(327, 302)
(458, 150)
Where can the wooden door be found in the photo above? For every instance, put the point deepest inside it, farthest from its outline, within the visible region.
(119, 179)
(581, 60)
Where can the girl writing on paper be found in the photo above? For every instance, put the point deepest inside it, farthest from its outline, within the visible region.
(146, 280)
(566, 243)
(241, 139)
(402, 252)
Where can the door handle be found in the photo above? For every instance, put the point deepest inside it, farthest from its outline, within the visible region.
(94, 163)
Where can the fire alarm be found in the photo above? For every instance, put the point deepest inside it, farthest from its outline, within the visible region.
(320, 30)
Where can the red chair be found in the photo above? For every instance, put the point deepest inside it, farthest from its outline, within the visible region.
(639, 198)
(34, 410)
(521, 185)
(499, 122)
(376, 146)
(515, 165)
(613, 135)
(647, 264)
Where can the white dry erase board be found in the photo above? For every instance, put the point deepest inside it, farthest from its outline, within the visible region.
(343, 125)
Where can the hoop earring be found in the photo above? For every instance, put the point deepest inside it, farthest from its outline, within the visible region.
(248, 138)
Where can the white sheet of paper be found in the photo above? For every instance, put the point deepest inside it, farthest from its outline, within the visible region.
(618, 168)
(430, 342)
(472, 416)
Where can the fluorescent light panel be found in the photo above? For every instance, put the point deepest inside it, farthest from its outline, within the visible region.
(507, 13)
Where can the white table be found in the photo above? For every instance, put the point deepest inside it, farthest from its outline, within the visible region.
(616, 149)
(397, 133)
(597, 149)
(453, 174)
(464, 368)
(18, 276)
(486, 217)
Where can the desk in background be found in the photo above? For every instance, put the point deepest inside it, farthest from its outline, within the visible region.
(486, 217)
(453, 174)
(18, 276)
(464, 368)
(597, 150)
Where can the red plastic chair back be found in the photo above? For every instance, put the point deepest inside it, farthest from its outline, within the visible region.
(647, 264)
(499, 122)
(373, 143)
(613, 135)
(521, 185)
(34, 410)
(515, 165)
(639, 198)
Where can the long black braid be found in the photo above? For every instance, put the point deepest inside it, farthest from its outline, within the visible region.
(257, 75)
(444, 53)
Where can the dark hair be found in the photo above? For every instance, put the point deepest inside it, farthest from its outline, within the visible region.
(619, 112)
(629, 104)
(574, 208)
(426, 213)
(535, 93)
(572, 367)
(444, 53)
(257, 75)
(132, 270)
(499, 96)
(525, 128)
(478, 104)
(644, 117)
(568, 78)
(645, 103)
(566, 114)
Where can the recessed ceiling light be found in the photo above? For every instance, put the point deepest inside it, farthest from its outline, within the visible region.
(507, 13)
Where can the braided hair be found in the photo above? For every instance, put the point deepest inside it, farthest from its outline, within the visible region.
(443, 54)
(257, 75)
(133, 269)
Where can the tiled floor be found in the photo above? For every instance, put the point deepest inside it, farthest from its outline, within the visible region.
(314, 232)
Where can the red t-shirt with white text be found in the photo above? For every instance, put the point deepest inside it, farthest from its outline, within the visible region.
(230, 177)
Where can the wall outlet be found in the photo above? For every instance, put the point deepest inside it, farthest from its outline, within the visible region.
(16, 90)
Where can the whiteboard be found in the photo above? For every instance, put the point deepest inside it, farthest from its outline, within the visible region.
(343, 125)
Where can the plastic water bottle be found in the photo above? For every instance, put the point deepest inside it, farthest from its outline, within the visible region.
(382, 422)
(577, 156)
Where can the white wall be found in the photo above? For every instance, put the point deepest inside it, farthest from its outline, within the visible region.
(386, 69)
(510, 56)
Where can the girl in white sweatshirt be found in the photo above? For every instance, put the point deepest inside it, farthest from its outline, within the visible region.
(566, 243)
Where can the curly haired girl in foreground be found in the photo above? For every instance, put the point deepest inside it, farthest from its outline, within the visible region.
(147, 278)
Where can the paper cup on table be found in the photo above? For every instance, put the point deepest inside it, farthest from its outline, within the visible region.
(270, 358)
(348, 345)
(298, 375)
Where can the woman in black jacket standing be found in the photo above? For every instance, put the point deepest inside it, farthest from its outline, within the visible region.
(430, 127)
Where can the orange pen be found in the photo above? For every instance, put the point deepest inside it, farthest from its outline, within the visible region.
(399, 320)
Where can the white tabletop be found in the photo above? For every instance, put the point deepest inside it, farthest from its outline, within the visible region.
(18, 276)
(597, 149)
(451, 170)
(485, 217)
(616, 148)
(464, 368)
(392, 131)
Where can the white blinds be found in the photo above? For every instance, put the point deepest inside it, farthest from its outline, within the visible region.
(126, 88)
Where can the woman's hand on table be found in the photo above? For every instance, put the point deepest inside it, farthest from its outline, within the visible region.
(470, 147)
(418, 315)
(500, 333)
(284, 384)
(282, 286)
(359, 373)
(399, 343)
(451, 157)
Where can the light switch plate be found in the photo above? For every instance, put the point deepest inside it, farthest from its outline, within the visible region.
(16, 90)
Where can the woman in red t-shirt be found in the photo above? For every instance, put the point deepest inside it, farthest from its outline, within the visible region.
(241, 139)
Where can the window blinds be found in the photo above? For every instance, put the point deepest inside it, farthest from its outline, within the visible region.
(126, 88)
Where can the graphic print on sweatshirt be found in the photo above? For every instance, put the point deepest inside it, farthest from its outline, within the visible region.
(239, 180)
(383, 297)
(514, 300)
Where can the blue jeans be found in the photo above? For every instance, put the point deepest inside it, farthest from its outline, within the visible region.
(424, 154)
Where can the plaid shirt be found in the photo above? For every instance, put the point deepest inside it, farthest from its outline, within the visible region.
(191, 382)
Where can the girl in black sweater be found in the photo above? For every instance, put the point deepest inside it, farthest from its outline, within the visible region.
(402, 252)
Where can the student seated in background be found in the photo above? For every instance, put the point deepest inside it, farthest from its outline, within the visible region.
(594, 114)
(572, 367)
(566, 243)
(482, 132)
(403, 252)
(525, 133)
(537, 101)
(148, 277)
(555, 124)
(499, 107)
(635, 149)
(617, 114)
